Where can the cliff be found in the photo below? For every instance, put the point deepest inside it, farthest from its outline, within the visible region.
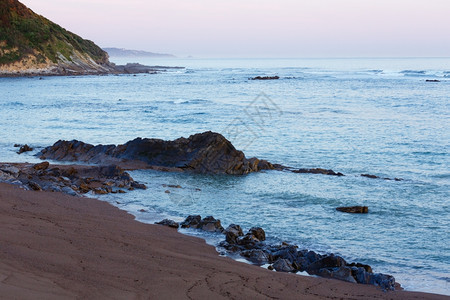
(30, 44)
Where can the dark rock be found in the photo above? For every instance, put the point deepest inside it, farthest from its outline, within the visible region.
(328, 261)
(377, 177)
(432, 80)
(340, 273)
(283, 265)
(17, 145)
(24, 148)
(318, 171)
(232, 232)
(192, 221)
(247, 241)
(258, 233)
(256, 256)
(211, 224)
(34, 186)
(370, 176)
(41, 166)
(206, 152)
(169, 223)
(386, 282)
(287, 252)
(69, 191)
(354, 209)
(265, 78)
(137, 185)
(367, 268)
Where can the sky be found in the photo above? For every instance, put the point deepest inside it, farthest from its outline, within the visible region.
(260, 28)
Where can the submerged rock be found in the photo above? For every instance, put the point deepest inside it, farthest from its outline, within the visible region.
(24, 148)
(318, 171)
(354, 209)
(206, 152)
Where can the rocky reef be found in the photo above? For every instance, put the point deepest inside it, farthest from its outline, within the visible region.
(206, 152)
(284, 257)
(72, 180)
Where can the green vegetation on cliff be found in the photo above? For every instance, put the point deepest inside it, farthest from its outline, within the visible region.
(22, 32)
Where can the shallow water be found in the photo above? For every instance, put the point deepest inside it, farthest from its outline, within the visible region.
(354, 116)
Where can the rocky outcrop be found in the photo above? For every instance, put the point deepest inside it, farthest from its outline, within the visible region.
(289, 258)
(73, 180)
(206, 152)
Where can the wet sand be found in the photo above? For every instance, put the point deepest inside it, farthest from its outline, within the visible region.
(55, 246)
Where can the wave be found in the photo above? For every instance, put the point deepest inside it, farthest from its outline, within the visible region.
(195, 101)
(13, 104)
(413, 72)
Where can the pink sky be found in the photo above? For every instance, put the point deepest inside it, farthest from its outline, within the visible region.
(259, 28)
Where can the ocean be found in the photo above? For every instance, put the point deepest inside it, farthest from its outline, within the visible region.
(355, 116)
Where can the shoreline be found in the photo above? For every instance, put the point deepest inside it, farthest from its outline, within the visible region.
(59, 246)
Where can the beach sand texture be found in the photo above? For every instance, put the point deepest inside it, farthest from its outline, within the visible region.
(55, 246)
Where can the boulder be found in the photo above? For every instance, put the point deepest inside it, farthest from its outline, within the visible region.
(232, 232)
(169, 223)
(248, 241)
(34, 186)
(286, 252)
(256, 256)
(340, 273)
(41, 166)
(328, 261)
(192, 221)
(283, 265)
(354, 209)
(210, 224)
(258, 233)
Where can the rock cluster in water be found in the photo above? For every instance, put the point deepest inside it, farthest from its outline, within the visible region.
(206, 152)
(68, 179)
(265, 78)
(286, 257)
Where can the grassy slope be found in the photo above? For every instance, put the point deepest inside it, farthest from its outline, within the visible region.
(22, 32)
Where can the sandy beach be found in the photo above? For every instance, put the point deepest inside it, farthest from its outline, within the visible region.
(55, 246)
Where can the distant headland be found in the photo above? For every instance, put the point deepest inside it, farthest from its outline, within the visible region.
(121, 52)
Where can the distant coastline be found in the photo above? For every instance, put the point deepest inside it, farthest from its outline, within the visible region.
(121, 52)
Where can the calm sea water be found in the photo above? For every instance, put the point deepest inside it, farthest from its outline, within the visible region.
(354, 116)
